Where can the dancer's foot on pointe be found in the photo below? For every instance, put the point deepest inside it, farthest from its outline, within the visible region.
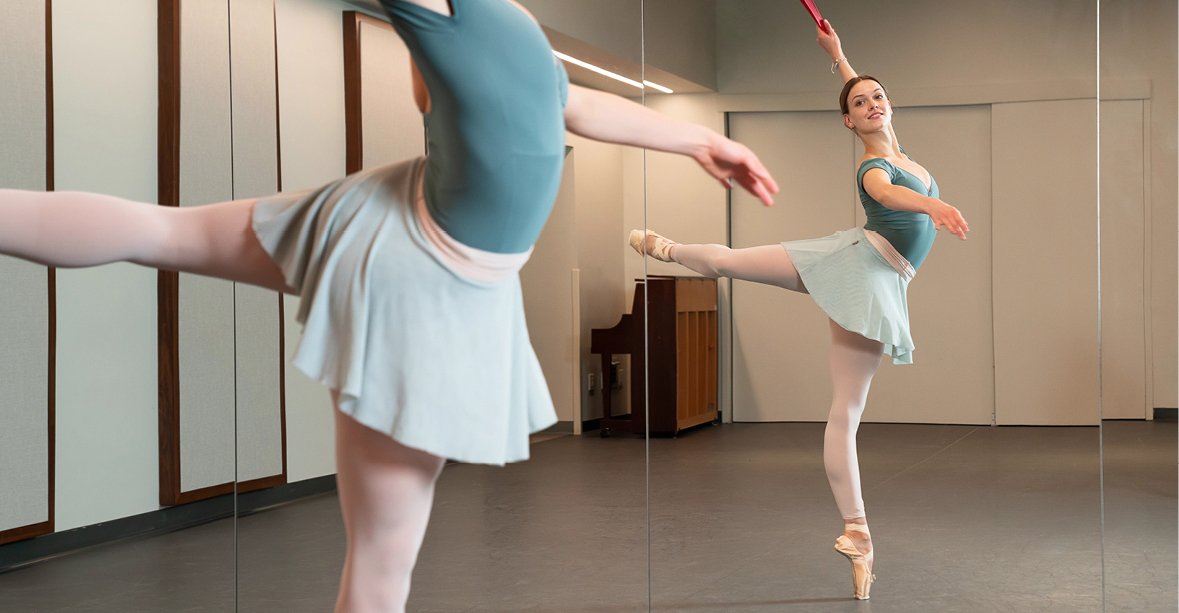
(656, 246)
(856, 545)
(859, 536)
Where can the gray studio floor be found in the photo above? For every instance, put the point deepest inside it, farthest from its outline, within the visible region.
(964, 519)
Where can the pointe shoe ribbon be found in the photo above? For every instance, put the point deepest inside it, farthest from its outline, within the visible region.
(862, 578)
(656, 246)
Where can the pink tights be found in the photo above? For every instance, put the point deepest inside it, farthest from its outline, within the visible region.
(386, 489)
(854, 359)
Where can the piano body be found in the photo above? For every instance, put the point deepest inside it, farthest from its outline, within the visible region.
(681, 337)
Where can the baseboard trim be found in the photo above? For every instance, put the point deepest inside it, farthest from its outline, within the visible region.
(261, 500)
(1166, 414)
(21, 554)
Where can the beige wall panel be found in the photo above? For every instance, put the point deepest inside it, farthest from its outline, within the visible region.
(767, 46)
(1125, 25)
(206, 305)
(548, 296)
(393, 129)
(105, 67)
(679, 36)
(951, 380)
(1123, 322)
(24, 303)
(685, 203)
(780, 338)
(1044, 190)
(614, 26)
(255, 173)
(601, 249)
(688, 205)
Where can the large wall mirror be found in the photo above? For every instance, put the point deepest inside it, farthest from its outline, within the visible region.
(1138, 293)
(978, 465)
(160, 450)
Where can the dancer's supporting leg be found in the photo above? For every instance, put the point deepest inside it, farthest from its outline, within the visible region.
(386, 491)
(79, 229)
(854, 359)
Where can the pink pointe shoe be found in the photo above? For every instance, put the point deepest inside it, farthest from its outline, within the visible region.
(657, 246)
(862, 578)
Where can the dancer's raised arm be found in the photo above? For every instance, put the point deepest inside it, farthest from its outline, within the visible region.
(830, 43)
(614, 119)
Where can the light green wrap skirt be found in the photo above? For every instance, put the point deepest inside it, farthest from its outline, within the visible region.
(857, 288)
(431, 358)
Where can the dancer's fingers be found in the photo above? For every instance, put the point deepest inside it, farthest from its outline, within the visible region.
(757, 188)
(759, 170)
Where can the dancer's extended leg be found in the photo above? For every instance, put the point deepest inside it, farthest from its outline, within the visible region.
(386, 491)
(78, 229)
(769, 264)
(854, 359)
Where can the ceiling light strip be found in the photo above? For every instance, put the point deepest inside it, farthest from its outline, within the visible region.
(603, 71)
(657, 86)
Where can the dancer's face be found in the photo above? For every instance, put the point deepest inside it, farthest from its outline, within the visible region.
(868, 108)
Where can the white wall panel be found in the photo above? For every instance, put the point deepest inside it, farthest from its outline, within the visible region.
(24, 303)
(206, 348)
(255, 174)
(1044, 190)
(311, 108)
(781, 338)
(259, 416)
(105, 97)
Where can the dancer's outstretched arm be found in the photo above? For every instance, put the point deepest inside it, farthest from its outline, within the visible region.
(830, 43)
(614, 119)
(899, 198)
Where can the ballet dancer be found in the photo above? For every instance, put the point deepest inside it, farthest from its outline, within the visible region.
(859, 278)
(407, 274)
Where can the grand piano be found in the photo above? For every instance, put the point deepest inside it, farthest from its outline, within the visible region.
(681, 342)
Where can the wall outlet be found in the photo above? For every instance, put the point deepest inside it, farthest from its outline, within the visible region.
(592, 387)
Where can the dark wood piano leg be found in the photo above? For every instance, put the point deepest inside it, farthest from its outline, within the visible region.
(607, 393)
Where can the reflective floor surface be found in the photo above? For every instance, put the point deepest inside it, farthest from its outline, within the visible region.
(964, 518)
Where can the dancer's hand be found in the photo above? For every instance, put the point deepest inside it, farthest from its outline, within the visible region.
(829, 42)
(948, 217)
(728, 160)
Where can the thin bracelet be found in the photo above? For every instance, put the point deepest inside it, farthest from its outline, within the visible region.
(835, 64)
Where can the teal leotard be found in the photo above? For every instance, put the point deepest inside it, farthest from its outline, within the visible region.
(496, 127)
(911, 234)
